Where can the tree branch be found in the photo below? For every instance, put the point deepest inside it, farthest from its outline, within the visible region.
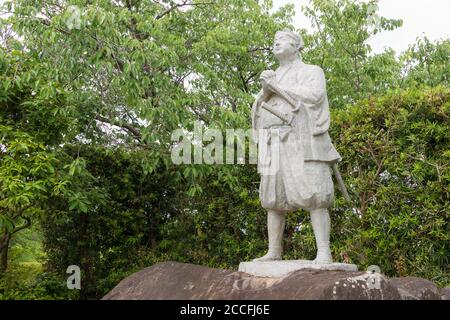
(4, 240)
(48, 24)
(250, 50)
(179, 5)
(134, 131)
(20, 211)
(24, 226)
(200, 115)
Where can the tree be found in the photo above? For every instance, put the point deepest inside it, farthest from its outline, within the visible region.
(26, 172)
(426, 63)
(32, 127)
(27, 167)
(339, 44)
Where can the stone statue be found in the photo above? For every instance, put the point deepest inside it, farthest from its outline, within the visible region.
(290, 119)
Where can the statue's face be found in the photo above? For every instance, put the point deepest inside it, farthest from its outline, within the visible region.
(283, 46)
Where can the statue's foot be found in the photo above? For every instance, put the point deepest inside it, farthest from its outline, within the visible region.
(323, 257)
(270, 256)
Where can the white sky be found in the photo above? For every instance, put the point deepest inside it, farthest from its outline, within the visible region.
(420, 17)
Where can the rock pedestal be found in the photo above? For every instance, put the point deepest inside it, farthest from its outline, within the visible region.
(181, 281)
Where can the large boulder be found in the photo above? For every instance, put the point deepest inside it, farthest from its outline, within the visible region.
(445, 293)
(173, 280)
(412, 288)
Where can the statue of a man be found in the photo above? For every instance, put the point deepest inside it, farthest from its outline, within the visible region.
(290, 120)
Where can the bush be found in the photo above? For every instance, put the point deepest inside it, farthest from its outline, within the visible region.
(396, 156)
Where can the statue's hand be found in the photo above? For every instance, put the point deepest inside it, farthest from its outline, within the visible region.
(261, 98)
(267, 74)
(267, 77)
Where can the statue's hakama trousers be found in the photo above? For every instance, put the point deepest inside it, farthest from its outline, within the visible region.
(287, 181)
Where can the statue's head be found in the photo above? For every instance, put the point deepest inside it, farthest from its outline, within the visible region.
(287, 43)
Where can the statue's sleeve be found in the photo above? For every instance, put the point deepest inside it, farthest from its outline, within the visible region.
(313, 97)
(255, 119)
(315, 91)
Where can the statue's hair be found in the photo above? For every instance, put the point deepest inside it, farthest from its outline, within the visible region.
(298, 41)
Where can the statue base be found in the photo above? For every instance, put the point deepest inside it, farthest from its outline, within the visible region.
(281, 268)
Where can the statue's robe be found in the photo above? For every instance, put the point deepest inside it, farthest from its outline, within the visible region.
(294, 160)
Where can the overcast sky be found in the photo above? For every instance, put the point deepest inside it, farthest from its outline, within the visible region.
(420, 17)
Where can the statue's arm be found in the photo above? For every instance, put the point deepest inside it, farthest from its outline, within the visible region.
(255, 115)
(311, 97)
(315, 91)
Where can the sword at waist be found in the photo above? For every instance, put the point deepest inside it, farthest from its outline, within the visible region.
(286, 117)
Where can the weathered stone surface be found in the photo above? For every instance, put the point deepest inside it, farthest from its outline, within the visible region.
(169, 280)
(281, 268)
(172, 280)
(412, 288)
(445, 293)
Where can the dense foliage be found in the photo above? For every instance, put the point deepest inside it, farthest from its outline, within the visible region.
(396, 162)
(87, 109)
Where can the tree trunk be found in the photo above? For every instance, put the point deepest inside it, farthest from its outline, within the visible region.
(4, 247)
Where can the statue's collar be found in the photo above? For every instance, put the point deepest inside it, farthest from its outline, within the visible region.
(287, 67)
(298, 63)
(292, 63)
